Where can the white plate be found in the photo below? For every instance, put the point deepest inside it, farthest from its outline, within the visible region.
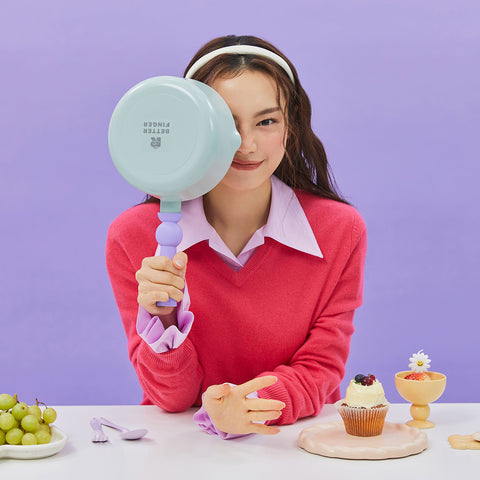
(35, 451)
(331, 440)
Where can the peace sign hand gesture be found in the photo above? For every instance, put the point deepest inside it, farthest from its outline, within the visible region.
(232, 412)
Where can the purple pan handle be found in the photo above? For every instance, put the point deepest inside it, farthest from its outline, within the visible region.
(168, 235)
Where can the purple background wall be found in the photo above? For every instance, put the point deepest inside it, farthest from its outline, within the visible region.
(394, 88)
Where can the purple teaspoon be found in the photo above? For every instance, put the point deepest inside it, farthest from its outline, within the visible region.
(125, 433)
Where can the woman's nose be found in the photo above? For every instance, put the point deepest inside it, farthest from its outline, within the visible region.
(248, 144)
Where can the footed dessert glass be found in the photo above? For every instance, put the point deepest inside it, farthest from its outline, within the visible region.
(420, 394)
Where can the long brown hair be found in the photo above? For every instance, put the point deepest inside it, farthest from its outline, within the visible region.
(305, 165)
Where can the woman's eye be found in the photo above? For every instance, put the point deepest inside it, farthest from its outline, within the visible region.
(267, 122)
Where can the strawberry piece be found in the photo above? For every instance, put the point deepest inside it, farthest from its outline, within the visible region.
(419, 376)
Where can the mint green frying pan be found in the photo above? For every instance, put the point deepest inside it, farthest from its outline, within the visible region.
(173, 138)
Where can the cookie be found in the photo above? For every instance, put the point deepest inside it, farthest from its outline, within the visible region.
(464, 442)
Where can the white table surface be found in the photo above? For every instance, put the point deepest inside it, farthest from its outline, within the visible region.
(175, 448)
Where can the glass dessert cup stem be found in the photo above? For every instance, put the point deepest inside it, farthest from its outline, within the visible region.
(420, 413)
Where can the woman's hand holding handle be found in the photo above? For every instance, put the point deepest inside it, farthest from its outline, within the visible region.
(159, 279)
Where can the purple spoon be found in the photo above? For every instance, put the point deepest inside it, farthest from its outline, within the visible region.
(125, 433)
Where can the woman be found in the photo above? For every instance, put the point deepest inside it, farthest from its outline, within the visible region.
(273, 258)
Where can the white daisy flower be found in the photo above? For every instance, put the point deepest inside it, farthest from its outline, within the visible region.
(419, 362)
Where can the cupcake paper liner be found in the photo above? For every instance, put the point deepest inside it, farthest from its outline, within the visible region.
(362, 422)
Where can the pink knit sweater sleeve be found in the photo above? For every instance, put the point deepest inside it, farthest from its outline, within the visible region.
(170, 380)
(314, 373)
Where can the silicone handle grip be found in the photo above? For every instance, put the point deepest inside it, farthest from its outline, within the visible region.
(168, 235)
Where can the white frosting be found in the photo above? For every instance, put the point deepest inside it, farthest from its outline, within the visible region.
(366, 396)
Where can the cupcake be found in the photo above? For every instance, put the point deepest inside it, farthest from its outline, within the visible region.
(364, 407)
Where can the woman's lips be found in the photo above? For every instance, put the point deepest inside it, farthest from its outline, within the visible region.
(245, 165)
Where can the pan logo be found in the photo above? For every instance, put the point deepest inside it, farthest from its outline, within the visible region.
(156, 142)
(156, 127)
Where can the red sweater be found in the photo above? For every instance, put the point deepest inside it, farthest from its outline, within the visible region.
(285, 313)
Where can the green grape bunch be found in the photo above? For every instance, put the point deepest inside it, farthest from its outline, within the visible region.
(22, 424)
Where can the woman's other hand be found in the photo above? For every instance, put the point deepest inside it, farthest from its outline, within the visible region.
(159, 279)
(232, 412)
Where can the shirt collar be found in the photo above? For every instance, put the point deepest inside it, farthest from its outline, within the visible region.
(287, 223)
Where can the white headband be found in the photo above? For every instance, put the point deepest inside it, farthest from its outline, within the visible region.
(240, 50)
